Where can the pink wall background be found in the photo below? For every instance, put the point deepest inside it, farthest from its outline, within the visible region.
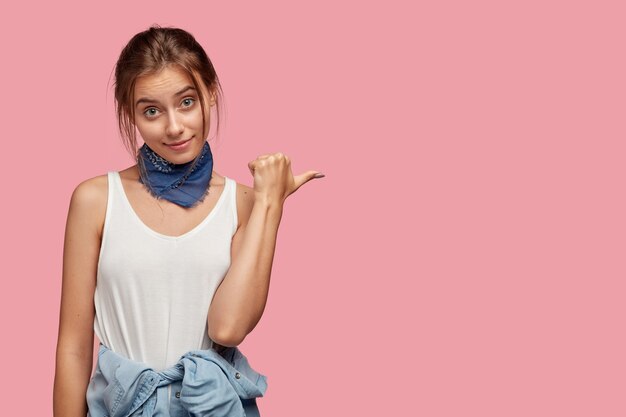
(464, 255)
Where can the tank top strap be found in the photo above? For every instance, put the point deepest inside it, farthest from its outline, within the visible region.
(115, 183)
(116, 193)
(119, 211)
(231, 188)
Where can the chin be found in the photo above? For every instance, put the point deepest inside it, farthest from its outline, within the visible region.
(181, 157)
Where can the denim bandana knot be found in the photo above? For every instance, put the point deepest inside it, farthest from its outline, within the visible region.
(183, 184)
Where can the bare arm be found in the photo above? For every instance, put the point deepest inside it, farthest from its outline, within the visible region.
(75, 345)
(238, 303)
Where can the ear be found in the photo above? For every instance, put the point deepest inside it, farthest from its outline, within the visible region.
(212, 98)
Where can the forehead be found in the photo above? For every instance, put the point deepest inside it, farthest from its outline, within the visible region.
(164, 83)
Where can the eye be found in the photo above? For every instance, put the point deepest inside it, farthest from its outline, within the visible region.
(189, 102)
(150, 112)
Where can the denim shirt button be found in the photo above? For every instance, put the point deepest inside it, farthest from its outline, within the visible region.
(237, 375)
(178, 394)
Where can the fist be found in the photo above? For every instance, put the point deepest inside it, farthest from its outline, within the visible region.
(273, 179)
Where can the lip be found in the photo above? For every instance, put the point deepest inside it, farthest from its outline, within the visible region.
(179, 145)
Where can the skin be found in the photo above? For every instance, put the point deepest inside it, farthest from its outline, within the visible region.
(239, 301)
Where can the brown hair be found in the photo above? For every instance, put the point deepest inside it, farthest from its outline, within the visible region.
(149, 52)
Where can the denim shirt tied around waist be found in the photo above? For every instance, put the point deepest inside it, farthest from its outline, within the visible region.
(213, 384)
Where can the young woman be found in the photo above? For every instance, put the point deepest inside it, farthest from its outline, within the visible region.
(167, 261)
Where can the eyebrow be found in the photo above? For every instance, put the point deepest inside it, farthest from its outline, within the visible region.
(151, 100)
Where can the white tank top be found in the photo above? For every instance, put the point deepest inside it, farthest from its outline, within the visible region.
(153, 291)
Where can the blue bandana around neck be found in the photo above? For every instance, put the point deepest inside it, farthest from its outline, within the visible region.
(182, 184)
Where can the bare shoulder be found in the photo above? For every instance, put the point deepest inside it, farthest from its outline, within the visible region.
(89, 201)
(245, 202)
(92, 191)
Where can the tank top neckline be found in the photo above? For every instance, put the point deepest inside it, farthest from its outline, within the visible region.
(207, 218)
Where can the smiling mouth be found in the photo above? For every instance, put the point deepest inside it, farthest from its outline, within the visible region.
(178, 143)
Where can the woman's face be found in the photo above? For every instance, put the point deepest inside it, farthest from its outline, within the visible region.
(168, 114)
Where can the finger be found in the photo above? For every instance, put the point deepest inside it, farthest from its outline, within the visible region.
(306, 177)
(278, 155)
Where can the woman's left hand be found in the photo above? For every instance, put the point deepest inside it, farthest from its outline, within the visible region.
(273, 180)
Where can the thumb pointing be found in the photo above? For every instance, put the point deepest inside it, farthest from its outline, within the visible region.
(305, 177)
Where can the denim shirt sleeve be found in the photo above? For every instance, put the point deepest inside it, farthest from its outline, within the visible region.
(213, 384)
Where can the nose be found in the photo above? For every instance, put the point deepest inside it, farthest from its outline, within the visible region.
(174, 125)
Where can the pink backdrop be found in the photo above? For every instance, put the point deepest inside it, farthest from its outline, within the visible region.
(464, 255)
